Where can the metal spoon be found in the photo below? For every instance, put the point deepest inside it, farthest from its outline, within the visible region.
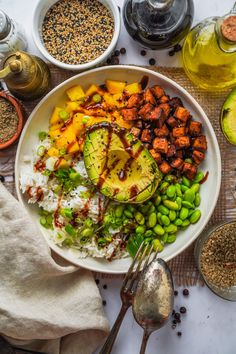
(154, 298)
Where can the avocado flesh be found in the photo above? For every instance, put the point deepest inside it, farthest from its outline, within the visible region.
(228, 117)
(118, 164)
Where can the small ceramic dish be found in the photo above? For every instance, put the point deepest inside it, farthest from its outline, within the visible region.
(228, 293)
(39, 14)
(19, 112)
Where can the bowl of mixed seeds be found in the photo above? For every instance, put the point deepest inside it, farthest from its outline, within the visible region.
(215, 254)
(76, 34)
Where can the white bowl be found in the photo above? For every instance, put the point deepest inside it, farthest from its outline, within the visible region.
(209, 191)
(39, 13)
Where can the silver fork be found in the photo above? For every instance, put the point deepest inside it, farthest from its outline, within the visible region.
(127, 293)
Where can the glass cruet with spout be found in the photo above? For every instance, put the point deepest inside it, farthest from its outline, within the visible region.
(158, 24)
(209, 53)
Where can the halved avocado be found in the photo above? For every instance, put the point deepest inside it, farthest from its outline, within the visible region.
(228, 117)
(119, 165)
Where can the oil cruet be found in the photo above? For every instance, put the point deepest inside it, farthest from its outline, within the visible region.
(158, 24)
(209, 53)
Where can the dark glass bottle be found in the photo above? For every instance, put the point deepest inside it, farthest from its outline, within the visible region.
(158, 24)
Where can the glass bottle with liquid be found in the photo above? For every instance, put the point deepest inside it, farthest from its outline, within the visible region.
(158, 24)
(209, 53)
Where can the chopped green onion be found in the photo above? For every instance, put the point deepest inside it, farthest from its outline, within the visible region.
(49, 219)
(41, 150)
(67, 213)
(102, 242)
(43, 221)
(67, 242)
(70, 230)
(75, 176)
(43, 212)
(42, 135)
(85, 120)
(88, 222)
(85, 195)
(47, 172)
(57, 189)
(62, 151)
(63, 114)
(97, 98)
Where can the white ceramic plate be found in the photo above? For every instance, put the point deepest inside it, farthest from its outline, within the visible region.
(39, 119)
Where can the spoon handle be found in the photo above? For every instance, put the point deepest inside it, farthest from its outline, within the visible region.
(144, 342)
(107, 347)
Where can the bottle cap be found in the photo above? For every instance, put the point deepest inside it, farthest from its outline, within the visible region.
(5, 25)
(228, 28)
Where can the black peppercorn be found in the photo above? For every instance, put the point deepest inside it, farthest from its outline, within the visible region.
(174, 322)
(104, 302)
(122, 50)
(173, 326)
(115, 60)
(2, 178)
(177, 315)
(117, 53)
(179, 334)
(152, 61)
(175, 293)
(171, 53)
(173, 312)
(177, 48)
(143, 52)
(185, 292)
(104, 286)
(108, 61)
(183, 309)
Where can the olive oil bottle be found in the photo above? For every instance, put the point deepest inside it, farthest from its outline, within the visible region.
(209, 53)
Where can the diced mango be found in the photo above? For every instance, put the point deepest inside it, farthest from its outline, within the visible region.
(73, 148)
(118, 119)
(72, 106)
(55, 116)
(75, 93)
(77, 123)
(133, 88)
(115, 86)
(55, 134)
(119, 101)
(69, 134)
(94, 89)
(62, 163)
(108, 98)
(53, 152)
(61, 143)
(56, 126)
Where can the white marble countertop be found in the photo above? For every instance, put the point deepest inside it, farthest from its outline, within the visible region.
(209, 326)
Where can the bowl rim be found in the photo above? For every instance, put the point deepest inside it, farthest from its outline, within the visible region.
(19, 112)
(110, 4)
(181, 90)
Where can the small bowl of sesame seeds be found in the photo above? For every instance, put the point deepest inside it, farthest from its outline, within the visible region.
(215, 254)
(11, 120)
(76, 34)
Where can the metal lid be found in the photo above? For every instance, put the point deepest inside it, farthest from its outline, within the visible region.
(228, 28)
(5, 25)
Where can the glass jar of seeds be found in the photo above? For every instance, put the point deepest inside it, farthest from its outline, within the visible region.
(215, 255)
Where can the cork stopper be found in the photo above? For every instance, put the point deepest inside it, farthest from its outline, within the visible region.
(228, 28)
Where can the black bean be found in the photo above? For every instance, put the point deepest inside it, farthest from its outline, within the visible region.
(185, 292)
(122, 50)
(175, 293)
(152, 61)
(171, 53)
(2, 178)
(183, 309)
(143, 52)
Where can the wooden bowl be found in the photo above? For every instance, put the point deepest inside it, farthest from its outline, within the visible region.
(19, 112)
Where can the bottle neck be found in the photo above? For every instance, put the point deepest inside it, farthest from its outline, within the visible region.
(225, 30)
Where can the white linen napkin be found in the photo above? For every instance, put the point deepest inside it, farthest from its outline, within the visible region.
(44, 306)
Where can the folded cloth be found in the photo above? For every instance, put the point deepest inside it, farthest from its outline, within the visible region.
(44, 306)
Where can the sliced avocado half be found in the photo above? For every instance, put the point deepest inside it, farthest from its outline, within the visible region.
(119, 165)
(228, 117)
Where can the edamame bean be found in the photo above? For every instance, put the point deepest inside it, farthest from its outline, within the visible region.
(139, 218)
(159, 215)
(128, 214)
(170, 178)
(163, 187)
(199, 177)
(195, 187)
(157, 200)
(179, 202)
(195, 216)
(186, 181)
(165, 220)
(185, 223)
(148, 233)
(152, 220)
(140, 229)
(163, 210)
(171, 239)
(119, 211)
(178, 222)
(157, 246)
(164, 197)
(87, 232)
(158, 229)
(183, 188)
(170, 192)
(171, 205)
(151, 209)
(187, 205)
(172, 215)
(171, 229)
(197, 200)
(147, 240)
(189, 196)
(164, 237)
(183, 213)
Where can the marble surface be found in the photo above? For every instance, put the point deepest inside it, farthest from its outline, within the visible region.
(209, 326)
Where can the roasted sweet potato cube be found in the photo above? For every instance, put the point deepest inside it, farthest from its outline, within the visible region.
(138, 124)
(200, 143)
(129, 114)
(146, 136)
(162, 132)
(148, 97)
(172, 122)
(189, 170)
(182, 114)
(177, 132)
(135, 131)
(166, 108)
(164, 99)
(165, 167)
(161, 145)
(182, 142)
(147, 146)
(135, 100)
(145, 110)
(156, 155)
(171, 151)
(177, 163)
(156, 113)
(175, 102)
(198, 156)
(158, 91)
(195, 128)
